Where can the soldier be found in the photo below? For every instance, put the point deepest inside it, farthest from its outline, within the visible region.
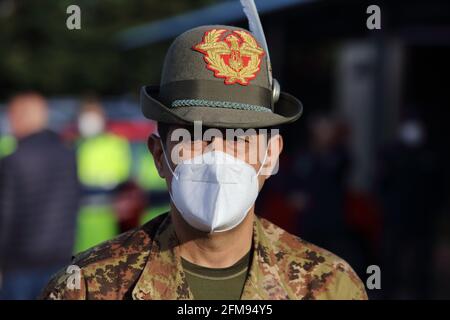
(212, 244)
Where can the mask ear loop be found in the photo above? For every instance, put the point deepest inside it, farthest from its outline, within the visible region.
(173, 174)
(264, 160)
(167, 160)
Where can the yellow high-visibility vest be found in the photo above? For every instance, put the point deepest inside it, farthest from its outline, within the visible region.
(104, 161)
(8, 145)
(147, 175)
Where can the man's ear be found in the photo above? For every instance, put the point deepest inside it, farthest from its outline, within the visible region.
(155, 148)
(274, 149)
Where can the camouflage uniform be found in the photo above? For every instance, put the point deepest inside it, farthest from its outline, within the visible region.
(145, 264)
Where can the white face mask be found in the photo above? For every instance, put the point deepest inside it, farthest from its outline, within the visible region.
(90, 124)
(214, 191)
(411, 134)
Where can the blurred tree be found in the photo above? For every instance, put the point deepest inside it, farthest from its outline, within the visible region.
(37, 51)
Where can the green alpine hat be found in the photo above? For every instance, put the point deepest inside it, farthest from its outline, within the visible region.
(218, 75)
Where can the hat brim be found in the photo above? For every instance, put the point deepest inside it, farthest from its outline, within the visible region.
(288, 109)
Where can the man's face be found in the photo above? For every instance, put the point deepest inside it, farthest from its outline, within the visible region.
(250, 145)
(27, 113)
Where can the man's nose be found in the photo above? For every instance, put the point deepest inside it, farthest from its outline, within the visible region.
(217, 144)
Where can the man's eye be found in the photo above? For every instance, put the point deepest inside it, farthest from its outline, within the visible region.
(241, 139)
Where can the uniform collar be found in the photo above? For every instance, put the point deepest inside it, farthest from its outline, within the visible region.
(163, 277)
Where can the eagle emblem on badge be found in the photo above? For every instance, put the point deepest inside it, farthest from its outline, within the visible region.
(235, 57)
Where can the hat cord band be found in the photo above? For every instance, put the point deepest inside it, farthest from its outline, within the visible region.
(218, 104)
(212, 93)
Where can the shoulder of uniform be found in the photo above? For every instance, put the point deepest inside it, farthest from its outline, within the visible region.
(315, 271)
(132, 242)
(66, 284)
(127, 243)
(288, 246)
(108, 267)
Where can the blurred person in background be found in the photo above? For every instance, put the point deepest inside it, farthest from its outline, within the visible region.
(39, 195)
(410, 191)
(104, 158)
(129, 204)
(319, 183)
(104, 162)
